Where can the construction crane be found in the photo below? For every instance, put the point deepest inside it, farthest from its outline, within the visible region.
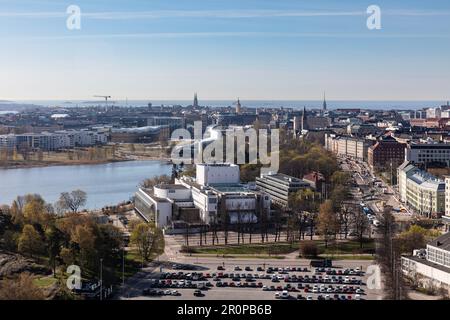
(106, 99)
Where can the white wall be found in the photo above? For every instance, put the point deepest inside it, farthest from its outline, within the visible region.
(216, 174)
(172, 193)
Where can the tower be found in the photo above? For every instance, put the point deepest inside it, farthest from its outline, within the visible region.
(238, 106)
(324, 106)
(195, 100)
(304, 125)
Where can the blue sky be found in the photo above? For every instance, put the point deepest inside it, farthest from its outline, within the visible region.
(222, 49)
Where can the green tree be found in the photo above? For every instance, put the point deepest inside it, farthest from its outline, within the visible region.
(54, 239)
(328, 223)
(30, 242)
(415, 237)
(147, 238)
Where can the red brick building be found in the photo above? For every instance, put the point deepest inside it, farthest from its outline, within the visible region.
(385, 152)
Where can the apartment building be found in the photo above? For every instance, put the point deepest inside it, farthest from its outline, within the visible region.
(446, 217)
(50, 141)
(347, 146)
(421, 191)
(386, 152)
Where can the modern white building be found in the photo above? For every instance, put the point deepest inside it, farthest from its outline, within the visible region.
(164, 204)
(209, 174)
(433, 113)
(433, 267)
(218, 196)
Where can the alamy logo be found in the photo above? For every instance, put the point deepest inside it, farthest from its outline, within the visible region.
(374, 20)
(74, 280)
(237, 146)
(73, 22)
(374, 277)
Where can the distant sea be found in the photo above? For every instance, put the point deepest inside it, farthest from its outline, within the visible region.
(309, 104)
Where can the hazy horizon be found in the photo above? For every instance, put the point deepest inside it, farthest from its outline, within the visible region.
(266, 50)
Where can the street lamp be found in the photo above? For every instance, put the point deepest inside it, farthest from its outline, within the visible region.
(101, 278)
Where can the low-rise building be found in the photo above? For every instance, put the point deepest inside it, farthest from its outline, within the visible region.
(279, 186)
(430, 267)
(164, 204)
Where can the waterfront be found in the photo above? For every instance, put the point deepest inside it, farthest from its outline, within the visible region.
(105, 184)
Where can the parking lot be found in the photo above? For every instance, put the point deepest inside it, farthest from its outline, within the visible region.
(257, 282)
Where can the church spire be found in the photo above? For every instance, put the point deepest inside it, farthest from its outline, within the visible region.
(303, 120)
(195, 100)
(324, 107)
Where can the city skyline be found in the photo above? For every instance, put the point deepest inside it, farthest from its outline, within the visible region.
(257, 50)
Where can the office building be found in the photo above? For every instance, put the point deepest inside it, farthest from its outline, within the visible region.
(279, 186)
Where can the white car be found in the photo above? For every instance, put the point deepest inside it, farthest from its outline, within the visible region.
(265, 288)
(277, 295)
(284, 294)
(357, 297)
(309, 298)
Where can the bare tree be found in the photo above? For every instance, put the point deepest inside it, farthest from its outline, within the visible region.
(72, 201)
(360, 224)
(389, 257)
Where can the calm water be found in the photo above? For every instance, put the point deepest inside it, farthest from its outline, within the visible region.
(105, 184)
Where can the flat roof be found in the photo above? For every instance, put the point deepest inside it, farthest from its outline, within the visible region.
(429, 263)
(441, 242)
(229, 188)
(170, 186)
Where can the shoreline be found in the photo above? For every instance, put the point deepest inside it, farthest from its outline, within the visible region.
(33, 164)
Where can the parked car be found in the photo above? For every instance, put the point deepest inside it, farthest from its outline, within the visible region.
(198, 293)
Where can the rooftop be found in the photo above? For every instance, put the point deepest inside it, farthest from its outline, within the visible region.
(429, 263)
(426, 180)
(441, 242)
(170, 186)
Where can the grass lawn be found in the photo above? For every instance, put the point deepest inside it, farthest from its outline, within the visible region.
(347, 247)
(44, 282)
(248, 249)
(351, 248)
(349, 257)
(240, 256)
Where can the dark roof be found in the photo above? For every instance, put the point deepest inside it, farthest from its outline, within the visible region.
(170, 186)
(441, 242)
(429, 263)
